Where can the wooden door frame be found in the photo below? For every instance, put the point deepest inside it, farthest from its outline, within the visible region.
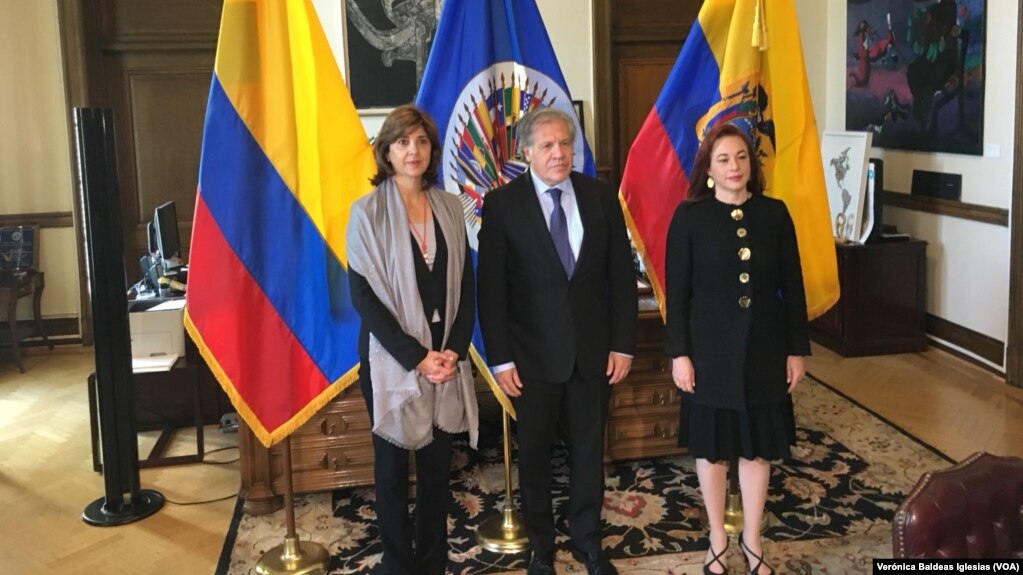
(1014, 345)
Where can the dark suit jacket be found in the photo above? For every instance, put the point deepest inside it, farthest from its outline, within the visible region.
(738, 353)
(530, 311)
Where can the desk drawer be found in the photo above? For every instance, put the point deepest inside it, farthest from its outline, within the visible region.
(643, 399)
(650, 363)
(325, 468)
(635, 438)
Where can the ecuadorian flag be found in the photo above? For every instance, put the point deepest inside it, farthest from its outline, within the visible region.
(283, 157)
(742, 63)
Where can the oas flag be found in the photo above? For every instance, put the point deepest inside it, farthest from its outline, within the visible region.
(491, 63)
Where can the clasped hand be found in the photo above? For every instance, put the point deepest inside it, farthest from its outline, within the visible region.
(438, 366)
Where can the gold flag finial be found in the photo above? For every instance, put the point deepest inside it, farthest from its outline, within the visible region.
(759, 27)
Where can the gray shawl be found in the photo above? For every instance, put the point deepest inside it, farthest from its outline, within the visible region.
(406, 405)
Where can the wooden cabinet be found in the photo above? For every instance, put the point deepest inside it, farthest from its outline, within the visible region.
(642, 418)
(882, 308)
(334, 449)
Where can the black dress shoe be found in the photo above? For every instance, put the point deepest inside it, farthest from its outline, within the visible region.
(540, 566)
(596, 563)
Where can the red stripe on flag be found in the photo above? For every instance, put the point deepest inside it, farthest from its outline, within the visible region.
(653, 185)
(258, 354)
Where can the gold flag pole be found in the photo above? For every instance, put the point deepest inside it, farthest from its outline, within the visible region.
(733, 501)
(293, 556)
(504, 533)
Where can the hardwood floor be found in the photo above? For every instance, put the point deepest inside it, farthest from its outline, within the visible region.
(46, 476)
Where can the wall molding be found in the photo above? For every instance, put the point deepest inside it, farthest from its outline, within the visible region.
(953, 208)
(44, 219)
(977, 343)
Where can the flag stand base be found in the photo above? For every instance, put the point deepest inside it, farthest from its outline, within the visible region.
(293, 556)
(505, 533)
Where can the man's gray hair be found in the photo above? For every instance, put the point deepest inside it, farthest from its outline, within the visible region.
(545, 115)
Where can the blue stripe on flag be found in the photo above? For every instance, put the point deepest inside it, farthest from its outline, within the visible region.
(274, 238)
(690, 90)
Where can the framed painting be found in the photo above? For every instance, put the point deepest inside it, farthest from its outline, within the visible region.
(577, 105)
(17, 248)
(845, 156)
(387, 43)
(915, 73)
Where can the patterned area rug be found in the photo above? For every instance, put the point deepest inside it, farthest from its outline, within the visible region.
(830, 505)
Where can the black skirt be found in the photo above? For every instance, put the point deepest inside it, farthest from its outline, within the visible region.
(715, 434)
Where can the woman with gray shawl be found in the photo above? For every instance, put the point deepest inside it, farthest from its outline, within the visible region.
(412, 284)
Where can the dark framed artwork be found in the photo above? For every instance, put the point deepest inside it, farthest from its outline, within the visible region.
(577, 105)
(915, 73)
(17, 248)
(387, 43)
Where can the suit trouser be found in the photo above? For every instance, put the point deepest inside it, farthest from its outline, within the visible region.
(391, 483)
(580, 405)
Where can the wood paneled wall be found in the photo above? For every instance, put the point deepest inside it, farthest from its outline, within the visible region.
(151, 61)
(636, 44)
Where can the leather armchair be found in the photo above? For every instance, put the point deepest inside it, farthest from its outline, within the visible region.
(971, 510)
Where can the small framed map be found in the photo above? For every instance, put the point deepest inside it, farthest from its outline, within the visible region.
(845, 156)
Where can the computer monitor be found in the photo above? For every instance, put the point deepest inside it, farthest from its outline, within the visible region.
(152, 242)
(165, 220)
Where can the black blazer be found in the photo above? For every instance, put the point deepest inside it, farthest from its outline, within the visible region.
(738, 353)
(379, 321)
(530, 311)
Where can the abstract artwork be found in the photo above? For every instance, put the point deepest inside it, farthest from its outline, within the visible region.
(387, 44)
(915, 73)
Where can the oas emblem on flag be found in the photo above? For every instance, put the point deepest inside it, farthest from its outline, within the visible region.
(481, 142)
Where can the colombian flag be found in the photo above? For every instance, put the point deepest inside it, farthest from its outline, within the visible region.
(283, 157)
(742, 63)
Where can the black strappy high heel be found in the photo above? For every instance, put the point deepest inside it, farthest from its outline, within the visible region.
(755, 569)
(716, 559)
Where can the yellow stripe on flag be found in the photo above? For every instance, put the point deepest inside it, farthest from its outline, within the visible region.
(794, 172)
(285, 84)
(797, 177)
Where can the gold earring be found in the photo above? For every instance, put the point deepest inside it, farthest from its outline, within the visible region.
(710, 182)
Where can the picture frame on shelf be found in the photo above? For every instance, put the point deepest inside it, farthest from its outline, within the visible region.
(846, 156)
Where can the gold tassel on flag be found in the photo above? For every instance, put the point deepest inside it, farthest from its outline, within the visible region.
(759, 27)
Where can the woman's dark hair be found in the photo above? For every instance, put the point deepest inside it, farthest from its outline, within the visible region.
(698, 189)
(398, 124)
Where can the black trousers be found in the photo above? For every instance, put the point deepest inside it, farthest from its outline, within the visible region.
(579, 406)
(429, 555)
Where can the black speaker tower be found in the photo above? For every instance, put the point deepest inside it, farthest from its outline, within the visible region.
(123, 500)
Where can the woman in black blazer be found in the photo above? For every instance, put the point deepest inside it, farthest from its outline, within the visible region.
(411, 281)
(736, 330)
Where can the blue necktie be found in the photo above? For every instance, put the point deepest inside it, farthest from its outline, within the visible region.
(559, 232)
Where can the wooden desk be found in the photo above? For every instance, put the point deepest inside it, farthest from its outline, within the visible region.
(165, 401)
(883, 304)
(14, 287)
(181, 371)
(334, 449)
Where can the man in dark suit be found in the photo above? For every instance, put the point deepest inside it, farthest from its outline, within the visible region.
(557, 306)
